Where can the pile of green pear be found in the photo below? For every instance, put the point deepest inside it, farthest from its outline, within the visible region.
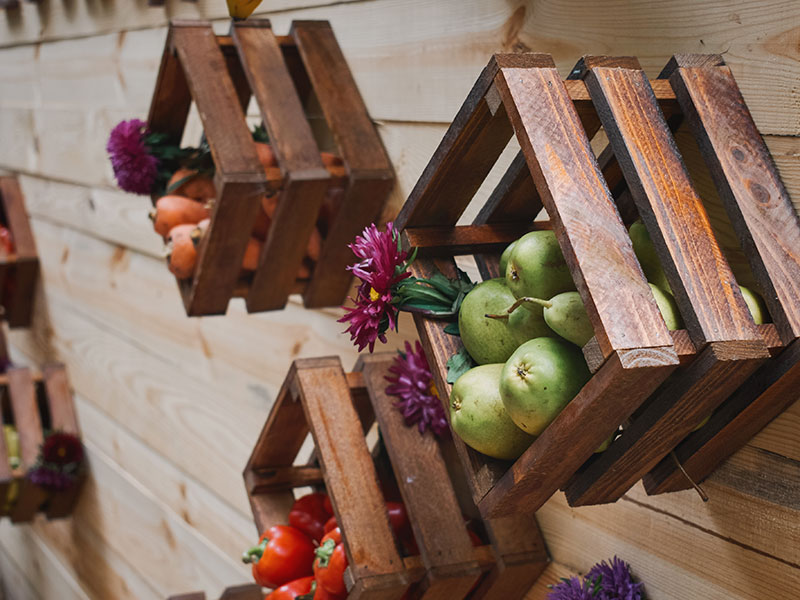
(525, 332)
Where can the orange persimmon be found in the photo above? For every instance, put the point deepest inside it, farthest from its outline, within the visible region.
(266, 156)
(261, 226)
(329, 159)
(251, 254)
(199, 187)
(173, 210)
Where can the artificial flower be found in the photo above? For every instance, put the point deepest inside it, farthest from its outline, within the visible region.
(413, 384)
(573, 589)
(59, 462)
(135, 168)
(62, 448)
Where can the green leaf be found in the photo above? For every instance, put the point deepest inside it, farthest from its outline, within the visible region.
(458, 364)
(452, 329)
(180, 182)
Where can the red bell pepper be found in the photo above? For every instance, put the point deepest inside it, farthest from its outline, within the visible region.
(282, 555)
(6, 241)
(293, 590)
(310, 513)
(330, 563)
(331, 524)
(319, 593)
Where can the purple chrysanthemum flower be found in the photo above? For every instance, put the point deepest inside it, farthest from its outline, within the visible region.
(616, 582)
(573, 589)
(381, 268)
(135, 168)
(51, 478)
(413, 385)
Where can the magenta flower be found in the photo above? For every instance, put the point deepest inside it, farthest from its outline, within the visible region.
(135, 168)
(615, 581)
(62, 449)
(382, 267)
(413, 385)
(59, 462)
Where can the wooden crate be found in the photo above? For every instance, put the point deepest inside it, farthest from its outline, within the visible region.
(19, 272)
(239, 592)
(35, 403)
(219, 73)
(660, 384)
(338, 408)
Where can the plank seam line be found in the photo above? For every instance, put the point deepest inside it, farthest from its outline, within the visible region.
(713, 533)
(164, 24)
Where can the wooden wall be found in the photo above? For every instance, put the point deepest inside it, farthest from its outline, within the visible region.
(171, 406)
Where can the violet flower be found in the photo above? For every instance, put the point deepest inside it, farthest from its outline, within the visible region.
(616, 582)
(135, 168)
(573, 589)
(413, 385)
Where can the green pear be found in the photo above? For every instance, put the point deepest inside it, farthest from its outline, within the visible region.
(537, 268)
(566, 315)
(646, 253)
(669, 310)
(526, 325)
(604, 446)
(758, 309)
(487, 340)
(478, 417)
(702, 423)
(538, 381)
(12, 445)
(505, 256)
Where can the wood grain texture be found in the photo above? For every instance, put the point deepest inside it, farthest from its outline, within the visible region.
(427, 492)
(670, 208)
(349, 474)
(571, 186)
(748, 182)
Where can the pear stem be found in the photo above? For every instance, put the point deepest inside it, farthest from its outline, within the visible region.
(520, 302)
(695, 485)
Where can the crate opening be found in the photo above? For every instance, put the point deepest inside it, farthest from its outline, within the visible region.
(43, 404)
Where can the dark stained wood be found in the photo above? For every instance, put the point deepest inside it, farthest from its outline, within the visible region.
(22, 268)
(571, 187)
(748, 182)
(670, 415)
(239, 592)
(349, 474)
(469, 149)
(605, 402)
(467, 239)
(709, 301)
(427, 492)
(62, 418)
(766, 394)
(172, 100)
(264, 480)
(29, 428)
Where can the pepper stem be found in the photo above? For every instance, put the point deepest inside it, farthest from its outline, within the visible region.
(324, 553)
(701, 492)
(254, 554)
(520, 302)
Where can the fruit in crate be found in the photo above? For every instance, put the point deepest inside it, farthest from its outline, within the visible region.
(241, 9)
(12, 445)
(667, 307)
(487, 340)
(537, 268)
(191, 184)
(538, 381)
(479, 418)
(566, 315)
(648, 258)
(526, 325)
(758, 309)
(505, 256)
(181, 249)
(171, 211)
(283, 554)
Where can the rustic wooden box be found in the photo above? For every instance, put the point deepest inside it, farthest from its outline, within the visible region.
(337, 408)
(19, 271)
(220, 73)
(660, 384)
(34, 403)
(239, 592)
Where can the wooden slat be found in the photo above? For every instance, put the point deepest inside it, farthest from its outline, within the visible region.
(350, 477)
(467, 239)
(748, 182)
(62, 418)
(466, 154)
(172, 100)
(710, 303)
(427, 492)
(571, 186)
(361, 149)
(242, 592)
(767, 393)
(29, 428)
(671, 414)
(277, 446)
(263, 481)
(299, 160)
(18, 295)
(239, 175)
